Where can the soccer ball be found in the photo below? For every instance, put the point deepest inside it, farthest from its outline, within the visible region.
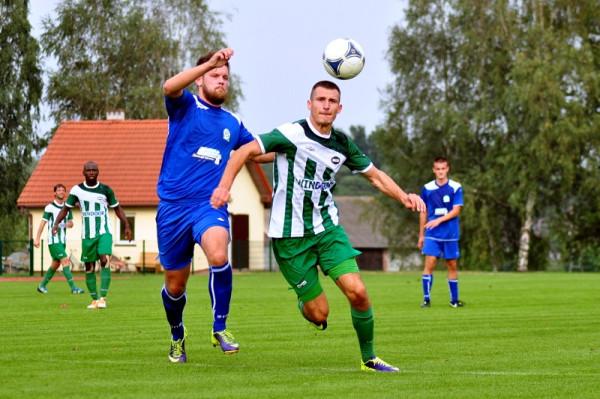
(343, 58)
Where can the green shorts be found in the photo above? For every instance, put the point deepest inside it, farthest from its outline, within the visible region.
(298, 259)
(57, 251)
(92, 248)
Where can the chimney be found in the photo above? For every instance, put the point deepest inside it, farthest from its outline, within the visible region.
(117, 115)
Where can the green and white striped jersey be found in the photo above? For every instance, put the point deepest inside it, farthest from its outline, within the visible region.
(94, 203)
(304, 175)
(51, 211)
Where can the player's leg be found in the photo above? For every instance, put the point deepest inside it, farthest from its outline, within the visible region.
(176, 247)
(214, 243)
(42, 289)
(89, 256)
(432, 250)
(451, 253)
(66, 269)
(104, 253)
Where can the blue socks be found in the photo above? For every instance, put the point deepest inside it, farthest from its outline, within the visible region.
(220, 285)
(174, 309)
(453, 286)
(427, 280)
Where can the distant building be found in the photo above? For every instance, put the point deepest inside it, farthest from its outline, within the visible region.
(129, 155)
(363, 236)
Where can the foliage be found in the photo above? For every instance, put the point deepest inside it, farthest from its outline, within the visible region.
(509, 92)
(20, 93)
(115, 54)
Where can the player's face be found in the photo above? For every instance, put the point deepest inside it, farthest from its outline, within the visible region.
(214, 85)
(60, 193)
(90, 172)
(440, 170)
(324, 106)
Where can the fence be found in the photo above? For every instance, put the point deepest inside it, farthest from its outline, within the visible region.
(139, 256)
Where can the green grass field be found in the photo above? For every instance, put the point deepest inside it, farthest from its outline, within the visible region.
(520, 336)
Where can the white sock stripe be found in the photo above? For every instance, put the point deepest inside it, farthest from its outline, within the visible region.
(218, 269)
(171, 296)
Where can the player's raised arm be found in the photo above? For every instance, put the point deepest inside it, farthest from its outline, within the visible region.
(382, 182)
(221, 194)
(174, 86)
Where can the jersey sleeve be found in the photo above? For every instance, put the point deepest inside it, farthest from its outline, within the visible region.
(71, 200)
(458, 197)
(274, 141)
(357, 161)
(244, 137)
(111, 198)
(46, 216)
(177, 107)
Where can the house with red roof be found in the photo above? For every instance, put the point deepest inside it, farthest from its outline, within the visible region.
(129, 156)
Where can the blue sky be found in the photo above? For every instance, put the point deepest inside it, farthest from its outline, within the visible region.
(278, 47)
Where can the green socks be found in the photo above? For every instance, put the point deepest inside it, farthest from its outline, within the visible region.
(69, 276)
(47, 277)
(364, 325)
(104, 280)
(90, 282)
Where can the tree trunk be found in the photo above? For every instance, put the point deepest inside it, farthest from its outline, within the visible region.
(526, 233)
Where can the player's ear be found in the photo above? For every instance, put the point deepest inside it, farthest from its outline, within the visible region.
(339, 108)
(199, 82)
(308, 104)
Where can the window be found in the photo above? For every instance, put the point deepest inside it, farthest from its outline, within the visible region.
(121, 230)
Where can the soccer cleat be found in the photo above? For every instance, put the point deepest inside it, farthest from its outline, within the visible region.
(426, 304)
(457, 304)
(102, 303)
(177, 351)
(93, 305)
(320, 327)
(77, 291)
(226, 340)
(42, 290)
(378, 365)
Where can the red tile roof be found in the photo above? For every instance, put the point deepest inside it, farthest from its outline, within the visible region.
(128, 153)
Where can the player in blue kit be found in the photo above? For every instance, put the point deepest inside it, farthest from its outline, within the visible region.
(439, 229)
(201, 136)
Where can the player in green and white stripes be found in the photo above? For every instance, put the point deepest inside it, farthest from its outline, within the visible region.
(94, 199)
(56, 242)
(304, 224)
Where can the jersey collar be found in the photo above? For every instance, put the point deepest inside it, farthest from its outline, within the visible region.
(315, 131)
(86, 186)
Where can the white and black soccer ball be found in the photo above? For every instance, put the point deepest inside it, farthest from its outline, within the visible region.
(343, 58)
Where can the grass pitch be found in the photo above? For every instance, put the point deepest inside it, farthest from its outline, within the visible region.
(520, 336)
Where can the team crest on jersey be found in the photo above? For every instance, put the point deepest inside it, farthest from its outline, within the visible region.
(226, 135)
(446, 198)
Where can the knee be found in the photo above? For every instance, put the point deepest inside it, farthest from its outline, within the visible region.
(358, 297)
(218, 258)
(175, 288)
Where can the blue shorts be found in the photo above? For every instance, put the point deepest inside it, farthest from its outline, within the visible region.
(441, 249)
(179, 227)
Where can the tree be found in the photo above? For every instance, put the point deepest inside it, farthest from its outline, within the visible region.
(509, 92)
(20, 94)
(115, 54)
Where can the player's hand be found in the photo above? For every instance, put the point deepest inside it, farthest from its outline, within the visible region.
(54, 230)
(415, 203)
(36, 243)
(432, 224)
(128, 233)
(221, 57)
(420, 242)
(220, 197)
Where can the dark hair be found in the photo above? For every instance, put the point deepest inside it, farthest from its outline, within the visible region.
(57, 186)
(326, 84)
(207, 57)
(441, 160)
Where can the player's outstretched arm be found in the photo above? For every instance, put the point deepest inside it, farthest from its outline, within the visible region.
(38, 234)
(174, 86)
(382, 182)
(220, 195)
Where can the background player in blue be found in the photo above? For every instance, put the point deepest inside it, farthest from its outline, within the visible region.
(439, 229)
(201, 137)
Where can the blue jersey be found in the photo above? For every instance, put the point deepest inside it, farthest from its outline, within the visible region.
(440, 200)
(201, 138)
